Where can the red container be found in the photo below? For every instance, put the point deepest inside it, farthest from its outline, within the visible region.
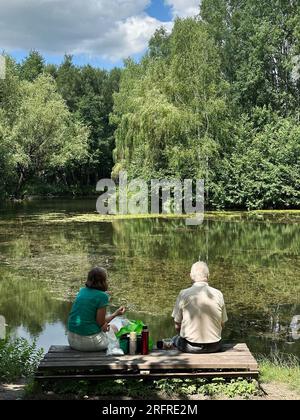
(145, 340)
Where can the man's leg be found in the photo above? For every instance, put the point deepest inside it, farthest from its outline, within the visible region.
(204, 348)
(180, 343)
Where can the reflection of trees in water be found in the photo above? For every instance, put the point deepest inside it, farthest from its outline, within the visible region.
(284, 322)
(255, 264)
(41, 264)
(24, 302)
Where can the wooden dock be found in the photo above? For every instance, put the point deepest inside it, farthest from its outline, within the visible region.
(62, 362)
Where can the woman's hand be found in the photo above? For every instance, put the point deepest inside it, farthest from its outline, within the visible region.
(105, 327)
(121, 311)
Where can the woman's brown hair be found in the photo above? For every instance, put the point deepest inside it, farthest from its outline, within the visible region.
(97, 279)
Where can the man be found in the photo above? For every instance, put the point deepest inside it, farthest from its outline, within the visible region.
(199, 315)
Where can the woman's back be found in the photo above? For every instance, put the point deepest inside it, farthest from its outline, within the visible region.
(82, 318)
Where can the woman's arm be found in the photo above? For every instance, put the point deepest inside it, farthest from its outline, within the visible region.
(121, 311)
(101, 319)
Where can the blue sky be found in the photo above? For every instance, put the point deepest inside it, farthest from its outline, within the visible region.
(160, 10)
(99, 32)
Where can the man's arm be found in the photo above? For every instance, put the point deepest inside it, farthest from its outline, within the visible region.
(224, 315)
(177, 314)
(177, 327)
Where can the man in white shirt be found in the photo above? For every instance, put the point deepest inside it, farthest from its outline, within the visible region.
(199, 315)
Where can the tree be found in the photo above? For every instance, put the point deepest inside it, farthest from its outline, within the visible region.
(263, 170)
(68, 82)
(259, 44)
(44, 135)
(171, 111)
(159, 44)
(32, 67)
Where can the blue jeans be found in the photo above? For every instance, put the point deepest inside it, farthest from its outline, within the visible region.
(187, 347)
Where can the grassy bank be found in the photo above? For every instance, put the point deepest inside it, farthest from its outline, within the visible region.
(281, 371)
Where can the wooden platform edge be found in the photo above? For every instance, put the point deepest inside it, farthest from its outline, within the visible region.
(206, 375)
(63, 363)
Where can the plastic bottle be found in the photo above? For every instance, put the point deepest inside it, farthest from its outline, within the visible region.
(132, 343)
(145, 340)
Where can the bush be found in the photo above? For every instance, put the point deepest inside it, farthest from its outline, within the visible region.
(18, 358)
(164, 388)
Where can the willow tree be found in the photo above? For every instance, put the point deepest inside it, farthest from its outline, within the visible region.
(171, 108)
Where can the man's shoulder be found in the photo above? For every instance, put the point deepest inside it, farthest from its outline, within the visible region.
(215, 291)
(185, 292)
(192, 291)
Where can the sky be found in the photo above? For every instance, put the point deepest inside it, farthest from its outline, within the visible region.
(99, 32)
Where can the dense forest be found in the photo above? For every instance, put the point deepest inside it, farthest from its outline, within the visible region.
(218, 98)
(55, 133)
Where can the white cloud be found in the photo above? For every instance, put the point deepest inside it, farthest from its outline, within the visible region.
(184, 8)
(113, 29)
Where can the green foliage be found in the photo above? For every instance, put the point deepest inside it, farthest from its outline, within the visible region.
(43, 135)
(218, 386)
(259, 46)
(55, 133)
(18, 358)
(32, 67)
(263, 170)
(217, 98)
(171, 109)
(164, 388)
(280, 368)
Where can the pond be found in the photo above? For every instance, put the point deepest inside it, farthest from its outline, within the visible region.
(46, 252)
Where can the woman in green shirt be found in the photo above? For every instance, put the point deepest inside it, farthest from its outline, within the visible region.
(88, 321)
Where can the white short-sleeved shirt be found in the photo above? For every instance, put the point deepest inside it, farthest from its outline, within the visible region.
(201, 311)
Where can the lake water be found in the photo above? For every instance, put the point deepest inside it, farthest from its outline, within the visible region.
(45, 254)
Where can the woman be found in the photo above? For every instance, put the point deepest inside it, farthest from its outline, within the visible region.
(88, 322)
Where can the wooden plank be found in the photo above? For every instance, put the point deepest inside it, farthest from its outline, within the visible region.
(235, 358)
(146, 366)
(150, 359)
(160, 354)
(162, 357)
(187, 375)
(139, 362)
(226, 347)
(244, 364)
(234, 351)
(152, 354)
(161, 361)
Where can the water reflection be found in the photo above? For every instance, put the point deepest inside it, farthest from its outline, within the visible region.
(255, 263)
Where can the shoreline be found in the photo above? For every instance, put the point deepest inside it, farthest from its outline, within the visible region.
(291, 216)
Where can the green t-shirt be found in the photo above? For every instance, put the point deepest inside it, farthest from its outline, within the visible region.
(82, 318)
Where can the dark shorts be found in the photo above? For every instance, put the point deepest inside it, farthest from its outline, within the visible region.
(187, 347)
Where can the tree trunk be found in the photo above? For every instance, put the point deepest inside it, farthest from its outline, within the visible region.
(20, 185)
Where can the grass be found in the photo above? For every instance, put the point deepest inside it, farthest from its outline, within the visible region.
(282, 370)
(168, 389)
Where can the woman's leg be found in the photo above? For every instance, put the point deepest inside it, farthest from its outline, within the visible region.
(97, 342)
